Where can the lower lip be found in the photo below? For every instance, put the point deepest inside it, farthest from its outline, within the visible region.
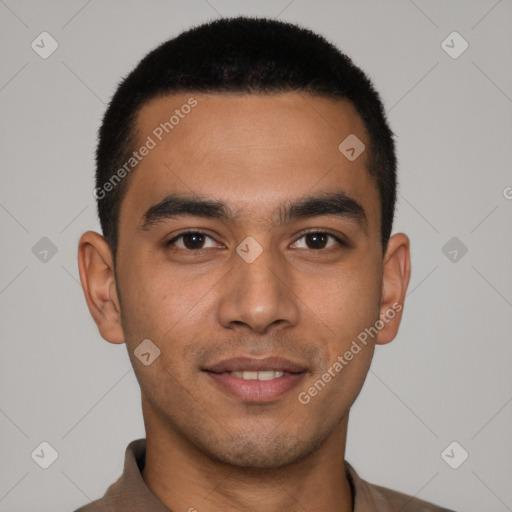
(256, 390)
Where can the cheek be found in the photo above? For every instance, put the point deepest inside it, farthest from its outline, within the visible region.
(170, 306)
(348, 301)
(160, 304)
(155, 308)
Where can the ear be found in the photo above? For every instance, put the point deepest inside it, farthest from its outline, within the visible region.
(96, 267)
(395, 280)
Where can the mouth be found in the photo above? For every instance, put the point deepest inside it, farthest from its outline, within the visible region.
(256, 380)
(259, 375)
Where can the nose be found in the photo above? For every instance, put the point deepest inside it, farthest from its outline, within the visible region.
(259, 295)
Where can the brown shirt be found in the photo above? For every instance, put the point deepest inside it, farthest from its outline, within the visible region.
(130, 493)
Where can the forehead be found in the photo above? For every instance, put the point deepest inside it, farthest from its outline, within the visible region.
(254, 152)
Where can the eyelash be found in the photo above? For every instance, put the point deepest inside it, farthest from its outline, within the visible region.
(339, 240)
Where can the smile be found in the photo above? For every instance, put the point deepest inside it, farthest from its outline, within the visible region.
(260, 375)
(255, 387)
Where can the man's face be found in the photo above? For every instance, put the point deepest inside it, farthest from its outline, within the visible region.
(211, 309)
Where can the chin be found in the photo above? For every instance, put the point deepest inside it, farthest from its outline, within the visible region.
(247, 452)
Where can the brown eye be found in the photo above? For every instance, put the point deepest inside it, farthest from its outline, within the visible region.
(191, 240)
(316, 240)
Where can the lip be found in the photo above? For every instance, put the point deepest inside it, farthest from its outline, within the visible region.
(256, 391)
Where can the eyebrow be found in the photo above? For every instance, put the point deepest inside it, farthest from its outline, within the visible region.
(338, 204)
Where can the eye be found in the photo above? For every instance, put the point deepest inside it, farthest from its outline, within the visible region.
(319, 240)
(197, 240)
(193, 241)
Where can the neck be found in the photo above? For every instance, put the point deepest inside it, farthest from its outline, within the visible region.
(184, 478)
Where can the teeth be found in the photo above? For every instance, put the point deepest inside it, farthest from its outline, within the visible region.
(261, 375)
(269, 375)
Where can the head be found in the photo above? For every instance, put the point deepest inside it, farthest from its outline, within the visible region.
(243, 56)
(235, 130)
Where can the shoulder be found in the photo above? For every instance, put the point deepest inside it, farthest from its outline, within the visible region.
(370, 497)
(129, 491)
(109, 502)
(397, 501)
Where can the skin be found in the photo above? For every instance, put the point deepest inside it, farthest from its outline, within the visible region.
(205, 449)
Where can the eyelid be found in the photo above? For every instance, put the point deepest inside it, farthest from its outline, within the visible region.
(190, 232)
(339, 239)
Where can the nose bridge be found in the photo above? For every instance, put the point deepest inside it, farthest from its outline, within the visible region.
(259, 293)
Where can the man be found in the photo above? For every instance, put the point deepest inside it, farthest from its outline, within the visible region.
(246, 186)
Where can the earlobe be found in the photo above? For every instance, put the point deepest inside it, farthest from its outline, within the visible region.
(95, 264)
(395, 280)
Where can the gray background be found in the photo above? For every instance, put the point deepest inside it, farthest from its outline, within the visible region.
(447, 375)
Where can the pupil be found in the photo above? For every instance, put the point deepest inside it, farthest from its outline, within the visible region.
(191, 240)
(317, 239)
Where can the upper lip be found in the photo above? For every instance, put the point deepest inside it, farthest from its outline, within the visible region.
(237, 364)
